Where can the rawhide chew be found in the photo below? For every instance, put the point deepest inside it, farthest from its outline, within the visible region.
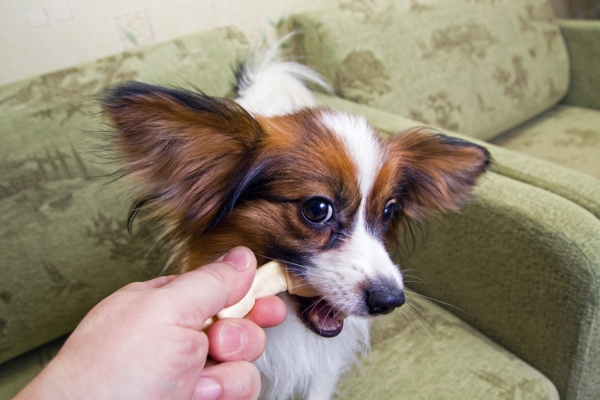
(270, 279)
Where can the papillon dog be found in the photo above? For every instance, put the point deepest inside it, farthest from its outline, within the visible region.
(317, 189)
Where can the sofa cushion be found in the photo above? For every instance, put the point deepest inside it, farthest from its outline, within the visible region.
(425, 352)
(583, 43)
(566, 135)
(478, 68)
(64, 244)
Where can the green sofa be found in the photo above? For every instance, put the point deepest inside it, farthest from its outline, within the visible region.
(514, 278)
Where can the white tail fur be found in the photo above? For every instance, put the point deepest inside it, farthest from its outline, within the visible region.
(268, 85)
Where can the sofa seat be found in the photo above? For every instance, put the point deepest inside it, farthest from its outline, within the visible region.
(423, 352)
(567, 135)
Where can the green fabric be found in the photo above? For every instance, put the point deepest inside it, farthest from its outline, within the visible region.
(583, 43)
(521, 261)
(535, 288)
(63, 238)
(475, 67)
(566, 135)
(422, 352)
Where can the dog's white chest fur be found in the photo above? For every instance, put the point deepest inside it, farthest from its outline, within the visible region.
(299, 363)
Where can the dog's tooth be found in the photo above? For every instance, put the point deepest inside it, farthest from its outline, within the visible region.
(315, 318)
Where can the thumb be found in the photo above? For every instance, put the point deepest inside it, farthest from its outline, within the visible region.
(210, 288)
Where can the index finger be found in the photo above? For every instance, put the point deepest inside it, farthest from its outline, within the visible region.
(268, 312)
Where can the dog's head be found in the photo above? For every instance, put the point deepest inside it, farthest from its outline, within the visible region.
(317, 189)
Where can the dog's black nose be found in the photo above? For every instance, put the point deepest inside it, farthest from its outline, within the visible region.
(383, 299)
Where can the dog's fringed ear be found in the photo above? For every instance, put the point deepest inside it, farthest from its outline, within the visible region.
(437, 172)
(184, 150)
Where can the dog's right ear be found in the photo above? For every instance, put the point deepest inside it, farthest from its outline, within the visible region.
(184, 150)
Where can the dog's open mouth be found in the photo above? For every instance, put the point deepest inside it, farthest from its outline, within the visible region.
(319, 316)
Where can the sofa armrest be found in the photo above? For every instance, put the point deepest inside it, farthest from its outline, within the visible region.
(522, 265)
(579, 188)
(583, 45)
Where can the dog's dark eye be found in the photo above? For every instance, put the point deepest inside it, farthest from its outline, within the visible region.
(391, 208)
(317, 210)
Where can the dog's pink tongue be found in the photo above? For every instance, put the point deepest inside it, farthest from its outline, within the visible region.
(319, 316)
(326, 319)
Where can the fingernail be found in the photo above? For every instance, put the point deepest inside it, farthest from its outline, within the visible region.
(231, 339)
(207, 389)
(239, 257)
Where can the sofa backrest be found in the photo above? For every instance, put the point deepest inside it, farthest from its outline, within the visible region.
(64, 243)
(475, 66)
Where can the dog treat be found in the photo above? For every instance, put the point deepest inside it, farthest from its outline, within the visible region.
(271, 278)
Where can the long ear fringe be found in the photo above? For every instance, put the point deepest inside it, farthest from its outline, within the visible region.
(438, 172)
(178, 147)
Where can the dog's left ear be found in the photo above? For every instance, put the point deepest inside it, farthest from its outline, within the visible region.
(437, 172)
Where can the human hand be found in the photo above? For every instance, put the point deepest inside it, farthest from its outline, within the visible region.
(146, 340)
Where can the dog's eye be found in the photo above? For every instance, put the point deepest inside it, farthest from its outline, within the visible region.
(391, 208)
(317, 210)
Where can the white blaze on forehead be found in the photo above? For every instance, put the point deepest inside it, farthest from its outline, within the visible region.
(344, 273)
(361, 144)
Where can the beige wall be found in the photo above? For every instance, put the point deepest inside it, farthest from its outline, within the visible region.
(38, 36)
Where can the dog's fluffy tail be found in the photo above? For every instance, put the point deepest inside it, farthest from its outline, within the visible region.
(268, 85)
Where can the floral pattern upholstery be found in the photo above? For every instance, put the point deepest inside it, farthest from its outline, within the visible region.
(401, 346)
(454, 66)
